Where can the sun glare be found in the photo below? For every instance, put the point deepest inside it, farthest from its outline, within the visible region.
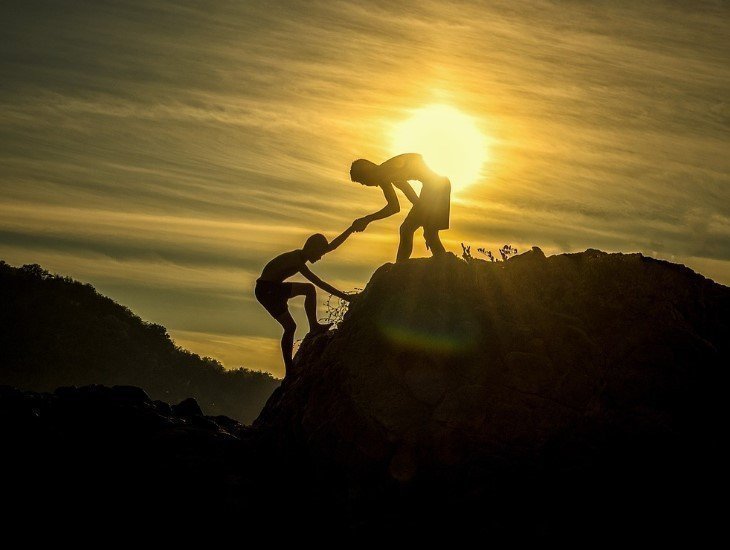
(449, 140)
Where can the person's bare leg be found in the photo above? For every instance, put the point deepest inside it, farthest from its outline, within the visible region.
(405, 246)
(287, 339)
(310, 305)
(433, 242)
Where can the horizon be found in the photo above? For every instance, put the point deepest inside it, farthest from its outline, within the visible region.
(164, 152)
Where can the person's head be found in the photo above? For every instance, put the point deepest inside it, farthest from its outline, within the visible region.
(315, 247)
(363, 171)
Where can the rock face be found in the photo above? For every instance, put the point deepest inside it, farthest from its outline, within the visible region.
(114, 459)
(463, 373)
(579, 397)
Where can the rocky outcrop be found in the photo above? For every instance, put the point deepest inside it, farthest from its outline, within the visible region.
(112, 454)
(448, 374)
(440, 359)
(579, 396)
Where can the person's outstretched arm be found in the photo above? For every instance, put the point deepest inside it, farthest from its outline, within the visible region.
(321, 284)
(337, 241)
(393, 207)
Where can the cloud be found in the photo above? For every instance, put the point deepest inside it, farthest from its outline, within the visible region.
(164, 151)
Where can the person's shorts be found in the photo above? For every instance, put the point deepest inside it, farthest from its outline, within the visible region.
(428, 216)
(273, 296)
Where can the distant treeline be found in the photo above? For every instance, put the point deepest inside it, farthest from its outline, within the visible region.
(55, 331)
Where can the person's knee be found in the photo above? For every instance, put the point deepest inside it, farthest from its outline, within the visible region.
(407, 228)
(289, 326)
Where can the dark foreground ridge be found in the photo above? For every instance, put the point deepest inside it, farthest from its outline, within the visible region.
(55, 331)
(580, 395)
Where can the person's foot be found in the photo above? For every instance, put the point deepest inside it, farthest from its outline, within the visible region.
(320, 327)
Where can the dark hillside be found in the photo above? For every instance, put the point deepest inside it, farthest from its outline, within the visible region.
(55, 331)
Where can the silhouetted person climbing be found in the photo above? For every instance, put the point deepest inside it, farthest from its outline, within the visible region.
(430, 210)
(273, 293)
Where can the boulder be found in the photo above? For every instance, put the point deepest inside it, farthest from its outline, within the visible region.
(443, 364)
(187, 407)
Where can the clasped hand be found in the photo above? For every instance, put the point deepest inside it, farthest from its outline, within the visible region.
(360, 224)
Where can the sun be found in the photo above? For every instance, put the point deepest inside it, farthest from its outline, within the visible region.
(449, 140)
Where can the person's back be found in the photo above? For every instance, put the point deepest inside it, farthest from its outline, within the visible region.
(406, 166)
(283, 266)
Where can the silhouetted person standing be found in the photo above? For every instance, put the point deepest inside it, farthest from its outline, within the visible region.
(430, 210)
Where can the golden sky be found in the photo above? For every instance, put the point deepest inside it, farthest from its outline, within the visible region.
(164, 151)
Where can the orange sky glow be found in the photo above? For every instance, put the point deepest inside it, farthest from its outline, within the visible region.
(167, 171)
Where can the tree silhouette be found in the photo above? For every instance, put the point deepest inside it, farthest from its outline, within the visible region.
(55, 331)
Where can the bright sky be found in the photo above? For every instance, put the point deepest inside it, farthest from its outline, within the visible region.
(164, 151)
